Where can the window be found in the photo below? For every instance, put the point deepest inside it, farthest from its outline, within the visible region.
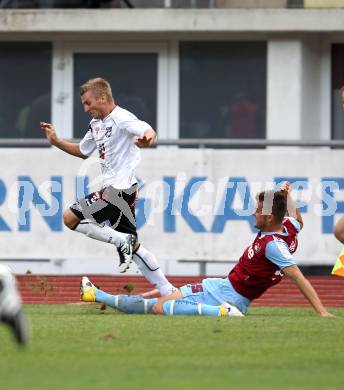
(133, 78)
(337, 83)
(25, 93)
(223, 89)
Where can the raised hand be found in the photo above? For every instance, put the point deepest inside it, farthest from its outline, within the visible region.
(286, 186)
(50, 132)
(144, 142)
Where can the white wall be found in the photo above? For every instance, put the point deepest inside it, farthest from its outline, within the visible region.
(311, 88)
(284, 89)
(212, 226)
(171, 20)
(298, 107)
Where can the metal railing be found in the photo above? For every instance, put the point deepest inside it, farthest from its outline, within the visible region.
(192, 142)
(107, 4)
(248, 143)
(149, 4)
(130, 4)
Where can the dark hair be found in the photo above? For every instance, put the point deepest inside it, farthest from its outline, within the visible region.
(279, 202)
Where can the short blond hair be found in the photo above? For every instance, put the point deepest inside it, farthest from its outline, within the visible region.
(100, 87)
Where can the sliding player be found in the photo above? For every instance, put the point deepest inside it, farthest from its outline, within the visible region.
(262, 265)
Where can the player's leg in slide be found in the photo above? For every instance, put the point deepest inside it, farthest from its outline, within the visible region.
(130, 304)
(192, 300)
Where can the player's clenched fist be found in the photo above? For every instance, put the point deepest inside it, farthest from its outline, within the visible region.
(143, 142)
(286, 186)
(50, 132)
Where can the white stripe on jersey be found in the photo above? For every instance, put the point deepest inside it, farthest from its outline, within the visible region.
(295, 223)
(282, 247)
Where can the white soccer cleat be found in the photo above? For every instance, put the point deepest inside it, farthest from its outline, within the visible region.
(228, 310)
(11, 312)
(87, 290)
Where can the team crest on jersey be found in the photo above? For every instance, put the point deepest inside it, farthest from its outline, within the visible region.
(292, 246)
(108, 132)
(257, 247)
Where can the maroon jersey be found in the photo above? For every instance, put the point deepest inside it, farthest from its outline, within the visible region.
(260, 266)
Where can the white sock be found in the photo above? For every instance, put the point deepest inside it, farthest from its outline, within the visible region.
(148, 265)
(101, 233)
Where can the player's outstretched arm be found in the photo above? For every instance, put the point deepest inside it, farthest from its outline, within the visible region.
(68, 147)
(339, 230)
(307, 290)
(148, 139)
(293, 211)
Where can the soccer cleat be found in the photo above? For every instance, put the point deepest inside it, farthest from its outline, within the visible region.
(87, 290)
(125, 252)
(11, 312)
(228, 310)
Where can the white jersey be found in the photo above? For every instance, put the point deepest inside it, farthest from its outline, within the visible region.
(114, 137)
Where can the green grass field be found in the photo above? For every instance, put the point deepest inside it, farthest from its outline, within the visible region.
(81, 347)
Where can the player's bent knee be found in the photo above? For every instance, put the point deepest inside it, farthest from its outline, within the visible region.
(339, 234)
(340, 237)
(70, 219)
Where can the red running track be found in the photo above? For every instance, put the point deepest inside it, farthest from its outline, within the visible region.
(65, 289)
